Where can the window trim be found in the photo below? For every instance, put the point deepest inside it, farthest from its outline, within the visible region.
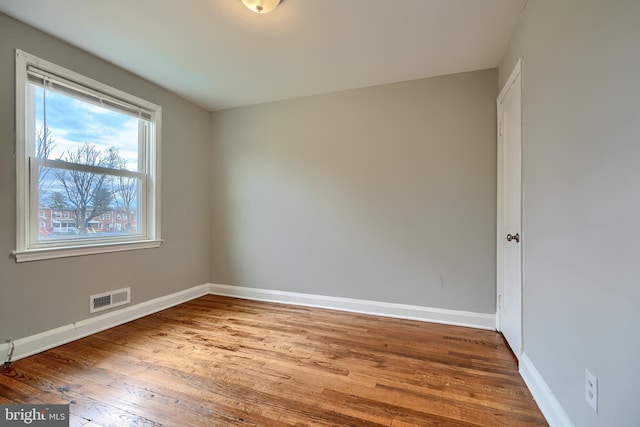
(25, 212)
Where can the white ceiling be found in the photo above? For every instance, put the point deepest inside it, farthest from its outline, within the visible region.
(219, 54)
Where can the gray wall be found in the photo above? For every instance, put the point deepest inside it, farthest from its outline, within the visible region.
(384, 193)
(581, 200)
(42, 295)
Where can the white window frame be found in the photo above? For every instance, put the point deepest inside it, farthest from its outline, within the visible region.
(26, 200)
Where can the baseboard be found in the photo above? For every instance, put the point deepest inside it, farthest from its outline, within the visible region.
(547, 402)
(52, 338)
(33, 344)
(377, 308)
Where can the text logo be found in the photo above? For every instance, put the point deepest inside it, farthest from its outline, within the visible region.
(34, 415)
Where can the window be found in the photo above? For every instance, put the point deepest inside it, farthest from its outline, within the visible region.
(83, 148)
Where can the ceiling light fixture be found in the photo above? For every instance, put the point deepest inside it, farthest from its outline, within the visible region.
(261, 6)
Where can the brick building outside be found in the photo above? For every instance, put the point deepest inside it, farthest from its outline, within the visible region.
(63, 221)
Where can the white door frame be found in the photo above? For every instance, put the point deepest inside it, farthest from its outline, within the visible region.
(515, 75)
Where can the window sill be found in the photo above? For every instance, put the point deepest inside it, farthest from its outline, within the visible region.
(71, 251)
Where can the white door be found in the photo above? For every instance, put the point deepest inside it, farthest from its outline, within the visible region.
(509, 221)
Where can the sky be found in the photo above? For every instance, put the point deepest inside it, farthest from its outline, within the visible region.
(73, 122)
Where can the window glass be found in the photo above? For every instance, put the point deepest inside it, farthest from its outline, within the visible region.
(86, 152)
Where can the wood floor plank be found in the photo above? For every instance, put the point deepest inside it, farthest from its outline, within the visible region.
(218, 361)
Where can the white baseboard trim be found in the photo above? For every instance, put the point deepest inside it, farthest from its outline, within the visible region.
(33, 344)
(52, 338)
(377, 308)
(547, 402)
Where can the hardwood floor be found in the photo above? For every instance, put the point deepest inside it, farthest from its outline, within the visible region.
(218, 361)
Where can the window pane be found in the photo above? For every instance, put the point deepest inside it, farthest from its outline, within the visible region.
(66, 125)
(86, 159)
(80, 205)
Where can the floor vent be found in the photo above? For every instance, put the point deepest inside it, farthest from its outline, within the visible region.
(109, 299)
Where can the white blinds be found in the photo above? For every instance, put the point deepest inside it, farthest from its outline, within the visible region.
(50, 81)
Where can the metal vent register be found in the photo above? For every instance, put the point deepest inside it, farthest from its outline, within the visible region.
(109, 299)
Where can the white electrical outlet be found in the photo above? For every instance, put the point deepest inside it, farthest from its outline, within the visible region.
(591, 390)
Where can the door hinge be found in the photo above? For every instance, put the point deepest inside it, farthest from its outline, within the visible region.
(499, 301)
(500, 129)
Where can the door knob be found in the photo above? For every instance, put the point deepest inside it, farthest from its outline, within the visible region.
(515, 237)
